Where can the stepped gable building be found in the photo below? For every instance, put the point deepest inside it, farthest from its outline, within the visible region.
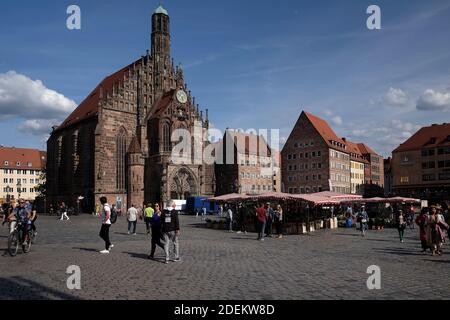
(421, 165)
(118, 144)
(374, 178)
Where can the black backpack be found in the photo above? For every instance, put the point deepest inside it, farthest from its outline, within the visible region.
(113, 217)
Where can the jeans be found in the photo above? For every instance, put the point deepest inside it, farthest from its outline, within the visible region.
(132, 224)
(401, 233)
(261, 227)
(104, 234)
(147, 224)
(171, 237)
(268, 227)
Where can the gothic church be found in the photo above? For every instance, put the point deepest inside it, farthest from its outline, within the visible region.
(117, 142)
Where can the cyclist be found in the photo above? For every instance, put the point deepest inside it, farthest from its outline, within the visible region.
(23, 215)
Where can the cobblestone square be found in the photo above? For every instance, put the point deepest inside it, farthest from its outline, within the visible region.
(329, 264)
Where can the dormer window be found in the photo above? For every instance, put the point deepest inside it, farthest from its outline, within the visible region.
(432, 140)
(29, 164)
(18, 163)
(6, 163)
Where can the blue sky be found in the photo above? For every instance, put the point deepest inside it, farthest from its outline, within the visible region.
(254, 64)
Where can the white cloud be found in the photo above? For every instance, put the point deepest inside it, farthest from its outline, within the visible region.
(30, 99)
(396, 97)
(37, 126)
(434, 101)
(335, 119)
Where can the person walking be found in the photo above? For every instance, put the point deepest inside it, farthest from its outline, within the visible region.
(261, 218)
(242, 219)
(363, 219)
(105, 214)
(171, 231)
(421, 221)
(401, 225)
(132, 215)
(435, 232)
(156, 231)
(63, 210)
(270, 216)
(203, 213)
(148, 214)
(279, 221)
(230, 219)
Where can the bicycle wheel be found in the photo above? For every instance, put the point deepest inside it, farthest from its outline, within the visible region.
(13, 244)
(26, 246)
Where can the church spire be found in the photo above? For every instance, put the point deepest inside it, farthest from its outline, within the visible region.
(160, 48)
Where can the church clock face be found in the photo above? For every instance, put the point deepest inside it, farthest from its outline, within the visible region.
(181, 96)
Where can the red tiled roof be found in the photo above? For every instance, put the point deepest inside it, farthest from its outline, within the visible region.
(424, 138)
(365, 149)
(162, 104)
(89, 107)
(29, 159)
(353, 149)
(325, 131)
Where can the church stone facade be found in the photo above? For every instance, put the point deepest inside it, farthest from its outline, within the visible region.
(118, 144)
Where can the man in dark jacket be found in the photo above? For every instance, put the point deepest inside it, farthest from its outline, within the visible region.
(170, 225)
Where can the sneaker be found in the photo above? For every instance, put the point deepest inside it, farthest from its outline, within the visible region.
(128, 232)
(177, 260)
(104, 251)
(239, 232)
(166, 262)
(111, 246)
(245, 232)
(135, 234)
(262, 239)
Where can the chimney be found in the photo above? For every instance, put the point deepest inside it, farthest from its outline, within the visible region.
(344, 139)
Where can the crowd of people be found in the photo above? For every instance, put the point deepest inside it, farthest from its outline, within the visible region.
(163, 225)
(265, 215)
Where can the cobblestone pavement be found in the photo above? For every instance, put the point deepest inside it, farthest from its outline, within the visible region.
(220, 265)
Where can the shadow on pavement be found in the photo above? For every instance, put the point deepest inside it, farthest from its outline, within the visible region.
(401, 252)
(24, 289)
(145, 257)
(87, 249)
(438, 261)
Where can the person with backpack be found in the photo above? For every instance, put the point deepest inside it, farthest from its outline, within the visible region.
(107, 219)
(170, 226)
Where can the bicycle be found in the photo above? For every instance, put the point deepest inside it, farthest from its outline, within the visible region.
(17, 238)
